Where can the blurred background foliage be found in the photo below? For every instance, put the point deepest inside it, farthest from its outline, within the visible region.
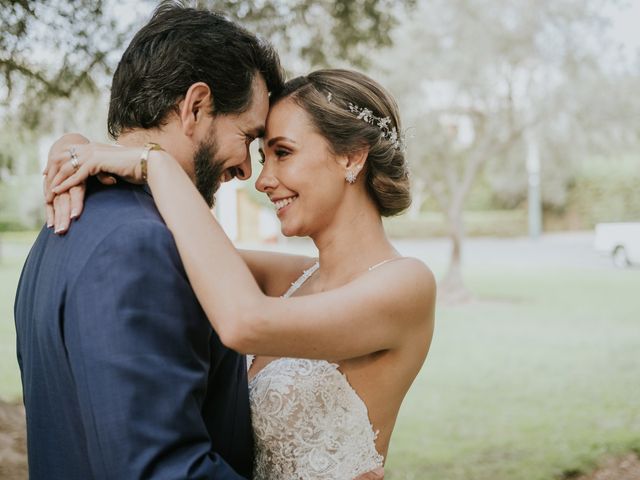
(475, 81)
(53, 49)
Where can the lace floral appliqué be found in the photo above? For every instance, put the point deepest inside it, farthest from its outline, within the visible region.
(309, 423)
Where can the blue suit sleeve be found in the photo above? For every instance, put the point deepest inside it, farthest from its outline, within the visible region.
(138, 346)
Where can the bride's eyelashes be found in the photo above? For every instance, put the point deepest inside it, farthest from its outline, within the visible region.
(280, 152)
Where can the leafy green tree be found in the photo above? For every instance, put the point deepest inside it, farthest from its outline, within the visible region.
(52, 49)
(319, 33)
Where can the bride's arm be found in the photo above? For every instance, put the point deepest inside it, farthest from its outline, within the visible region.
(377, 311)
(275, 271)
(372, 313)
(271, 270)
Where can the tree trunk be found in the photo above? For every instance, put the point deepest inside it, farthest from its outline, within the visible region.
(417, 194)
(452, 289)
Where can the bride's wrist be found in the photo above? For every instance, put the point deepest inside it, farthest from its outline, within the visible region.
(157, 160)
(143, 164)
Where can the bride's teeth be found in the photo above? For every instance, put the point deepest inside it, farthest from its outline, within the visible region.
(283, 203)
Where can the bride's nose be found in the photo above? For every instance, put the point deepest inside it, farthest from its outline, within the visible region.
(266, 181)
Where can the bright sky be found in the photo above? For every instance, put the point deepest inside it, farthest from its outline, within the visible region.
(130, 12)
(626, 26)
(624, 15)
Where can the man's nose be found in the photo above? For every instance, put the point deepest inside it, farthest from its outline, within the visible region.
(243, 171)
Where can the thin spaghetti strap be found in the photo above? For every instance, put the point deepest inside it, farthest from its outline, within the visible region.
(311, 270)
(303, 278)
(250, 359)
(294, 286)
(385, 261)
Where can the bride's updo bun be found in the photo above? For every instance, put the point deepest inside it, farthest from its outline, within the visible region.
(352, 112)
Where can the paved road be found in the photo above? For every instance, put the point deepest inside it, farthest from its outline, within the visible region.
(573, 249)
(562, 250)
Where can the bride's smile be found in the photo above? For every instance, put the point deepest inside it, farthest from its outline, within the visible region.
(283, 202)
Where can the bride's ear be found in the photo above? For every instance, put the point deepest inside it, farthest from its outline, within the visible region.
(356, 160)
(195, 106)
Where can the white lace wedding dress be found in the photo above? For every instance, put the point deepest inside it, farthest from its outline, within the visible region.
(308, 422)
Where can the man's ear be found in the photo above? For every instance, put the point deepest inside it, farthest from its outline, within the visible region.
(196, 104)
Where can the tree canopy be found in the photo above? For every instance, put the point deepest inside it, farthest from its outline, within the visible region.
(52, 49)
(319, 33)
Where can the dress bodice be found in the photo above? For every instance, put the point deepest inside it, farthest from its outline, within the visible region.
(308, 422)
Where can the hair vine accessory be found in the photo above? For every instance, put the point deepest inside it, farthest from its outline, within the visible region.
(383, 123)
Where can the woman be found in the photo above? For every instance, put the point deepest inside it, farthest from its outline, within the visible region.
(333, 165)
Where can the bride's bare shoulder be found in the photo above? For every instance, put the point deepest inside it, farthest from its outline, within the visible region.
(408, 282)
(409, 270)
(420, 272)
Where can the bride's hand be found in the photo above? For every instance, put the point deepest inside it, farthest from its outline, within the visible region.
(94, 159)
(61, 209)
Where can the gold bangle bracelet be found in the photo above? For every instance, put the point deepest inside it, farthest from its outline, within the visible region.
(144, 158)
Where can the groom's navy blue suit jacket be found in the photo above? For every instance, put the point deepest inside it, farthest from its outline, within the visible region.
(123, 376)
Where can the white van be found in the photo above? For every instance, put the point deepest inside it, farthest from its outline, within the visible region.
(621, 241)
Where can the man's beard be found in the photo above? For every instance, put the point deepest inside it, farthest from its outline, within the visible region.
(208, 170)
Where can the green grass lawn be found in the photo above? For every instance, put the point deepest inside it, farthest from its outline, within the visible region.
(540, 377)
(545, 381)
(14, 248)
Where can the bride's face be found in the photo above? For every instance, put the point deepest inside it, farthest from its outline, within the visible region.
(300, 174)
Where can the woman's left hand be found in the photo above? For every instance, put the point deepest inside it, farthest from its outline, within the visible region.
(62, 209)
(93, 159)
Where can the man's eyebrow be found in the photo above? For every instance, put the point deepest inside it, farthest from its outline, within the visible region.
(276, 139)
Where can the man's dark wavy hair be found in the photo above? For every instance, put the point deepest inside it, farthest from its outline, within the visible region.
(177, 48)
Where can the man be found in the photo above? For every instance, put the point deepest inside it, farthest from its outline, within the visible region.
(123, 377)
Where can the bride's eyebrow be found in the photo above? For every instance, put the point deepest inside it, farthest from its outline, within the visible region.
(277, 139)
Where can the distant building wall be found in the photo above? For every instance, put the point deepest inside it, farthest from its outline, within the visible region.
(244, 219)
